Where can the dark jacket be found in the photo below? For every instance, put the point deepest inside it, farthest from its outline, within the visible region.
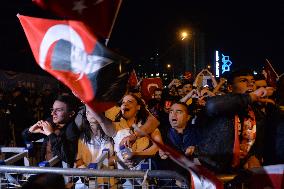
(215, 150)
(274, 151)
(181, 141)
(64, 145)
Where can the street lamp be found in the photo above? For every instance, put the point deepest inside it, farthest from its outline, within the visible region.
(170, 70)
(185, 36)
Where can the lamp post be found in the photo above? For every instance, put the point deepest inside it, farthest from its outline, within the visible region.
(171, 70)
(186, 36)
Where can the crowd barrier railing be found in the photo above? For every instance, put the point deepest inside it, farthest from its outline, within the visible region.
(156, 178)
(20, 153)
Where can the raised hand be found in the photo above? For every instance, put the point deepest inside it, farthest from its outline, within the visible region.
(47, 128)
(37, 128)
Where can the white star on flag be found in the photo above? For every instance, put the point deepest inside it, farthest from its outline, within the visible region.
(98, 2)
(79, 6)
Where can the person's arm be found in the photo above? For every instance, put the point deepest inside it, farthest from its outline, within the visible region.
(232, 103)
(149, 126)
(227, 104)
(175, 82)
(33, 133)
(219, 85)
(65, 145)
(153, 149)
(106, 124)
(260, 95)
(188, 95)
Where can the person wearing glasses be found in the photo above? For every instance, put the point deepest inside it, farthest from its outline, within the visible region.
(60, 133)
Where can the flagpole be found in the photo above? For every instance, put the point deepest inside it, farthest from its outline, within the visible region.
(272, 68)
(112, 25)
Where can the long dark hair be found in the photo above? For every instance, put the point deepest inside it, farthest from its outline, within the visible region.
(142, 114)
(86, 130)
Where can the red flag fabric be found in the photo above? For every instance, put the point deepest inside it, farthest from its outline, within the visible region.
(267, 177)
(270, 74)
(69, 52)
(99, 15)
(200, 176)
(148, 86)
(133, 81)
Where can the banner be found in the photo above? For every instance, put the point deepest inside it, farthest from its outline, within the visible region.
(10, 80)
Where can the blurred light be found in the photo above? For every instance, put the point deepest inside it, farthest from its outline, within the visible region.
(169, 66)
(152, 75)
(183, 35)
(157, 74)
(120, 68)
(217, 69)
(254, 72)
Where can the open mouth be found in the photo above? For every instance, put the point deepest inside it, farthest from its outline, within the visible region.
(249, 91)
(125, 110)
(174, 120)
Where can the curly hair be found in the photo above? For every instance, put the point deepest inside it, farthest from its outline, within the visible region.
(142, 114)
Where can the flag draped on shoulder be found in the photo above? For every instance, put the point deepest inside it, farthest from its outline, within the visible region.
(99, 15)
(72, 54)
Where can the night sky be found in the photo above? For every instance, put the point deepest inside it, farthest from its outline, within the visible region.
(247, 31)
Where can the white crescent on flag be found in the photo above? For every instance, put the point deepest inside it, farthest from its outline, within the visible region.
(54, 34)
(80, 61)
(152, 85)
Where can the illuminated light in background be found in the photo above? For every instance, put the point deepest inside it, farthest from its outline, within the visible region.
(184, 35)
(217, 69)
(226, 63)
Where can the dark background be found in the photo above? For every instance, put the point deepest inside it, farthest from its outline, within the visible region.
(248, 31)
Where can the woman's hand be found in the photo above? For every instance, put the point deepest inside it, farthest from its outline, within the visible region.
(128, 141)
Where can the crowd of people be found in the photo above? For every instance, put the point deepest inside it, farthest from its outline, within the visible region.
(236, 125)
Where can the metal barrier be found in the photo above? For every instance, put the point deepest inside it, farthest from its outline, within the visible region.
(154, 178)
(22, 153)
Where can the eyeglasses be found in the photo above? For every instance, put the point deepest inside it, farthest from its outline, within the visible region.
(56, 110)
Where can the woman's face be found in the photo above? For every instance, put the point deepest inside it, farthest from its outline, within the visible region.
(129, 107)
(90, 116)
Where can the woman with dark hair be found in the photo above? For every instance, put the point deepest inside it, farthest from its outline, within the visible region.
(133, 114)
(92, 141)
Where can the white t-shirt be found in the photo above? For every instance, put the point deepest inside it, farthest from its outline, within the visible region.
(89, 152)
